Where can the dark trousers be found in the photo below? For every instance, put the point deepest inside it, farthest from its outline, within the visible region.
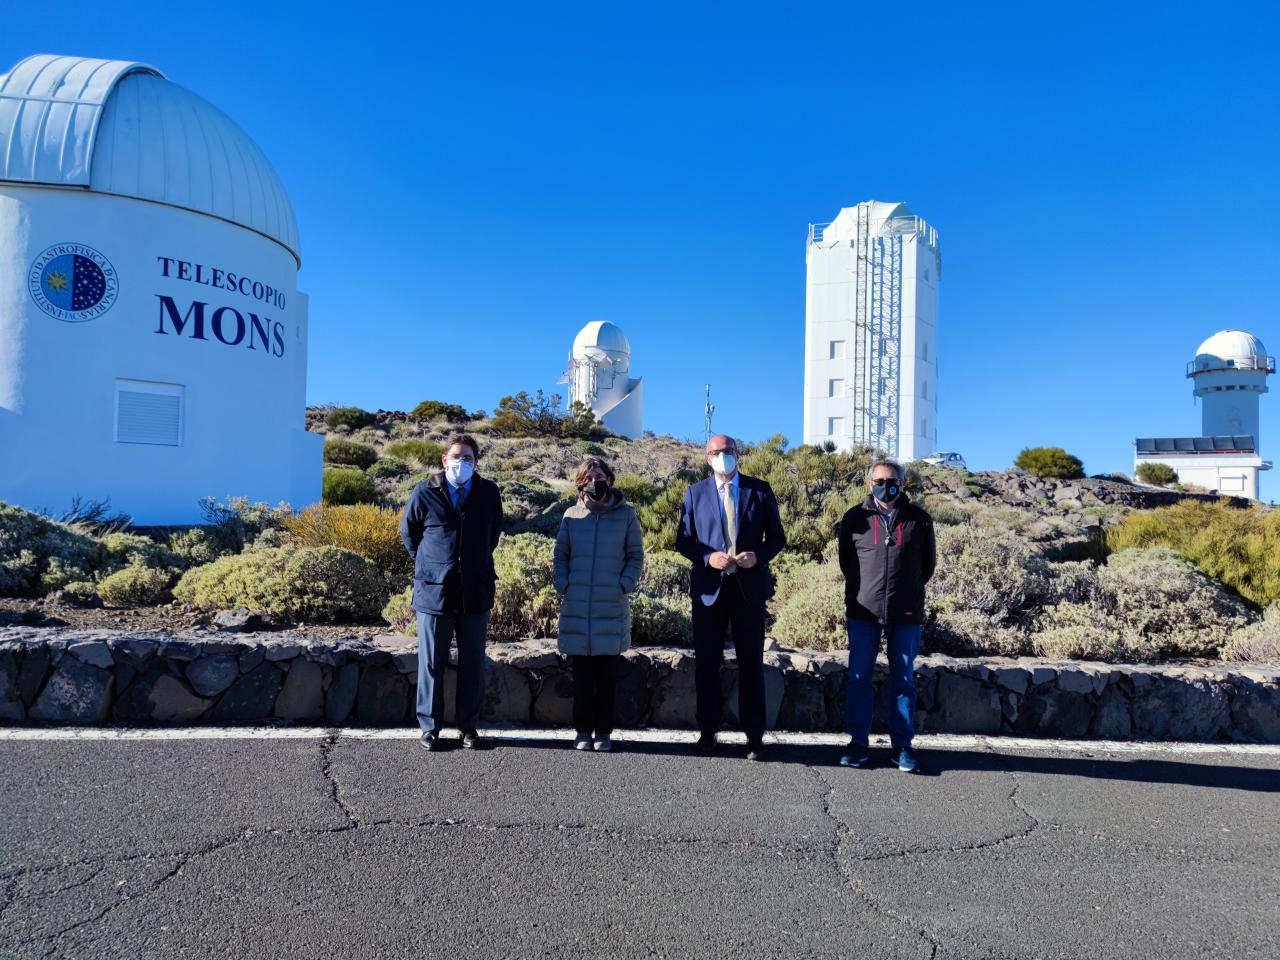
(594, 681)
(435, 632)
(709, 626)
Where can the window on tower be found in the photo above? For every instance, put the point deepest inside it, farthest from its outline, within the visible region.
(924, 350)
(835, 426)
(835, 388)
(924, 389)
(836, 350)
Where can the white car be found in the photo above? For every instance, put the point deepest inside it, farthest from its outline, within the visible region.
(952, 460)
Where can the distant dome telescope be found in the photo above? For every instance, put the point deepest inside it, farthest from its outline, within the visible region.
(599, 377)
(153, 342)
(1228, 375)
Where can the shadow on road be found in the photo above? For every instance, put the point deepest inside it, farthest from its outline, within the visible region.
(941, 762)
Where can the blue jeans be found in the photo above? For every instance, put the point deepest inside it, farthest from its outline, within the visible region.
(859, 693)
(435, 632)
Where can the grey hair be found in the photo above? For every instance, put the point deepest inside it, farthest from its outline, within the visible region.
(888, 462)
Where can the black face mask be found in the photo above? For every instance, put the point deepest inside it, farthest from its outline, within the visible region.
(596, 489)
(886, 491)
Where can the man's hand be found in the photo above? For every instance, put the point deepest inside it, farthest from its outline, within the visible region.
(721, 560)
(746, 560)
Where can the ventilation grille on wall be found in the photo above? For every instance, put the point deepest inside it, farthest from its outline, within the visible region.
(149, 412)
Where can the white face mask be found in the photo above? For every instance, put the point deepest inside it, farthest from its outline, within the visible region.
(724, 464)
(458, 471)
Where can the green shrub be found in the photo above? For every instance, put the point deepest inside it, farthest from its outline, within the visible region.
(371, 531)
(1050, 462)
(426, 453)
(525, 497)
(200, 545)
(660, 622)
(237, 523)
(345, 485)
(1239, 547)
(38, 554)
(1156, 474)
(351, 417)
(965, 633)
(638, 490)
(449, 412)
(659, 518)
(666, 575)
(124, 549)
(135, 585)
(994, 574)
(545, 524)
(1147, 605)
(526, 604)
(81, 592)
(1257, 643)
(811, 615)
(348, 453)
(400, 614)
(319, 584)
(390, 468)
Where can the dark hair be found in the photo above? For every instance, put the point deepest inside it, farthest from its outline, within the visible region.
(463, 440)
(589, 464)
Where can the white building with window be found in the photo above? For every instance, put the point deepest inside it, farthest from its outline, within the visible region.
(871, 331)
(153, 343)
(1229, 376)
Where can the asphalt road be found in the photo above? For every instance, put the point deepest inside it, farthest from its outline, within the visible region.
(340, 847)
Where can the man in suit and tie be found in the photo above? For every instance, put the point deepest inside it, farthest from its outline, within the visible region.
(451, 527)
(729, 529)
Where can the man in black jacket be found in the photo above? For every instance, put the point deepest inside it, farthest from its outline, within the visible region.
(887, 555)
(450, 527)
(729, 529)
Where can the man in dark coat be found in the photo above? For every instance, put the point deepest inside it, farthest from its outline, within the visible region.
(887, 555)
(450, 527)
(729, 529)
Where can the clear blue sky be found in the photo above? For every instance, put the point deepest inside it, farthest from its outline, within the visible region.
(473, 183)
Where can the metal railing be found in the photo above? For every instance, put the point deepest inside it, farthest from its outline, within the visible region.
(1217, 365)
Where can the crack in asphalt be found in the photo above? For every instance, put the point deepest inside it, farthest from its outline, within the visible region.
(181, 861)
(839, 833)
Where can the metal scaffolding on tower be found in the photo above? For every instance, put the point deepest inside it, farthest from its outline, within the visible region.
(877, 348)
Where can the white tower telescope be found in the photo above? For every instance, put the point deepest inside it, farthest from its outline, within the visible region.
(1230, 373)
(599, 377)
(871, 331)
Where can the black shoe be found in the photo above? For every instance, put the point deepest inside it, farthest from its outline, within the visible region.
(757, 752)
(470, 740)
(430, 741)
(707, 744)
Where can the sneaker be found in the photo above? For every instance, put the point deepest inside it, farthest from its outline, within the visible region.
(707, 744)
(756, 752)
(603, 745)
(470, 739)
(905, 759)
(856, 756)
(582, 741)
(430, 741)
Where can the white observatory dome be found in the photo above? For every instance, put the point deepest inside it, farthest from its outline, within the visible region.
(1232, 345)
(599, 340)
(150, 315)
(115, 127)
(1231, 350)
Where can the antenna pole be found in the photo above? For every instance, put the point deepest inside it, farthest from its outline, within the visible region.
(708, 410)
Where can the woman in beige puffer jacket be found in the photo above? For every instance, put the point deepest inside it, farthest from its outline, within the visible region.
(598, 561)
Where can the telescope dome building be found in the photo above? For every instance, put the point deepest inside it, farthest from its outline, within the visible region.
(153, 343)
(1229, 376)
(599, 377)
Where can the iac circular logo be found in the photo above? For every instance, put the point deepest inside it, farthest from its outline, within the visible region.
(72, 282)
